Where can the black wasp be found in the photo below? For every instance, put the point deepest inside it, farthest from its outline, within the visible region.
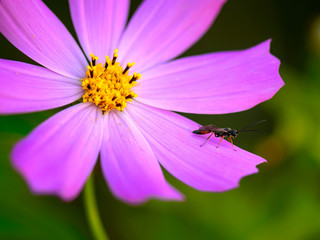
(223, 132)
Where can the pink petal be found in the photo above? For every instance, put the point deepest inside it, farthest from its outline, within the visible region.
(28, 88)
(58, 156)
(163, 29)
(213, 83)
(129, 166)
(99, 24)
(205, 168)
(32, 28)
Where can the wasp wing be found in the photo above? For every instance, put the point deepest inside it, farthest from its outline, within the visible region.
(205, 129)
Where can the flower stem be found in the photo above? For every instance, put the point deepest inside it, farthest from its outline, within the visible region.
(92, 212)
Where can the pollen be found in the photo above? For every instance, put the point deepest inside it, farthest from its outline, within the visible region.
(109, 85)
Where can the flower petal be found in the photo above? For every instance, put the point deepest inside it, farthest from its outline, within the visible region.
(129, 165)
(99, 24)
(32, 28)
(28, 88)
(213, 83)
(206, 168)
(163, 29)
(58, 156)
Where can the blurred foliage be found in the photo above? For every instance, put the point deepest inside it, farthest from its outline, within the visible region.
(281, 202)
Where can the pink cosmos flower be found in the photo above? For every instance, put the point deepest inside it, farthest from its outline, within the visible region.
(126, 119)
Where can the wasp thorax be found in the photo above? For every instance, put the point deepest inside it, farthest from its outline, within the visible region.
(109, 86)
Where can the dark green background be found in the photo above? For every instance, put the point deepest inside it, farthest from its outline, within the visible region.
(281, 202)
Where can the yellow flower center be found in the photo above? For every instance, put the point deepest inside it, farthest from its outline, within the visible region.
(109, 86)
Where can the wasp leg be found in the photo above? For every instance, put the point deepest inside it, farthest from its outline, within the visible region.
(206, 140)
(220, 141)
(230, 139)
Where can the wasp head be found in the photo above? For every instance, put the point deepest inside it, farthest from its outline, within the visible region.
(234, 133)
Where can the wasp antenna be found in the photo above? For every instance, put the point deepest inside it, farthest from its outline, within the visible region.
(253, 124)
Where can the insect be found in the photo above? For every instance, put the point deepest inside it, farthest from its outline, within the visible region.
(223, 132)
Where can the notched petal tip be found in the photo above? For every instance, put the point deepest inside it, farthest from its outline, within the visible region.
(235, 183)
(36, 187)
(209, 168)
(278, 81)
(238, 81)
(49, 158)
(133, 174)
(250, 170)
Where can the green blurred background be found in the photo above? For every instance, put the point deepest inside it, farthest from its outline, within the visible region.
(282, 201)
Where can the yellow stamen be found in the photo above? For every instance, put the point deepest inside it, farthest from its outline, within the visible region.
(115, 55)
(129, 65)
(109, 86)
(93, 59)
(135, 77)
